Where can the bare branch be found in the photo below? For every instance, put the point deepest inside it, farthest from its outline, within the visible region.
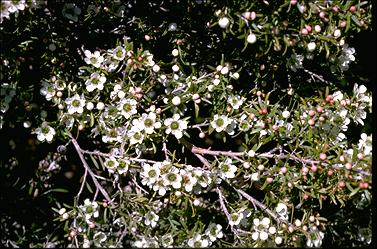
(94, 179)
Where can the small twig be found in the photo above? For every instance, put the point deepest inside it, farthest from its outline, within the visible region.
(94, 179)
(260, 205)
(225, 210)
(314, 75)
(82, 186)
(137, 185)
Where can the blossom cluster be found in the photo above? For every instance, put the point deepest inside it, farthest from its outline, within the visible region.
(164, 176)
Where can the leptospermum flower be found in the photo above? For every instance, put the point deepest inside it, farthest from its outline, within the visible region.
(90, 209)
(197, 241)
(236, 101)
(75, 104)
(119, 53)
(147, 122)
(261, 228)
(214, 231)
(175, 126)
(45, 132)
(172, 178)
(150, 174)
(227, 169)
(220, 122)
(111, 164)
(235, 219)
(135, 134)
(127, 107)
(96, 81)
(94, 59)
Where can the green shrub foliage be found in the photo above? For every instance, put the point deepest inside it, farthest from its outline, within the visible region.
(186, 123)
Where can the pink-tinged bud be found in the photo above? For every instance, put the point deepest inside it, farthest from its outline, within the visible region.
(311, 113)
(308, 28)
(304, 31)
(311, 122)
(341, 184)
(330, 172)
(322, 14)
(73, 233)
(283, 170)
(269, 179)
(353, 9)
(360, 156)
(293, 2)
(348, 166)
(319, 109)
(314, 168)
(305, 170)
(322, 156)
(261, 167)
(343, 24)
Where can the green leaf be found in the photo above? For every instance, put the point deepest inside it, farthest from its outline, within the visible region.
(88, 187)
(196, 110)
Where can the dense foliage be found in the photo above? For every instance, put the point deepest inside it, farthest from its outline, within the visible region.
(186, 123)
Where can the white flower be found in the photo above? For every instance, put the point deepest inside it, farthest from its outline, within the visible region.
(176, 100)
(278, 240)
(188, 180)
(48, 90)
(151, 219)
(156, 68)
(255, 177)
(150, 174)
(235, 219)
(45, 132)
(197, 241)
(150, 62)
(175, 126)
(337, 33)
(75, 104)
(175, 68)
(98, 238)
(127, 107)
(286, 114)
(147, 122)
(315, 239)
(175, 52)
(214, 231)
(337, 96)
(224, 70)
(272, 230)
(111, 164)
(167, 240)
(227, 169)
(94, 59)
(172, 178)
(96, 81)
(282, 210)
(220, 122)
(159, 186)
(251, 153)
(143, 243)
(90, 209)
(123, 166)
(223, 22)
(135, 135)
(311, 46)
(236, 101)
(251, 38)
(119, 53)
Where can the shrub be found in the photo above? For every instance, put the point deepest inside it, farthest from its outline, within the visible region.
(185, 124)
